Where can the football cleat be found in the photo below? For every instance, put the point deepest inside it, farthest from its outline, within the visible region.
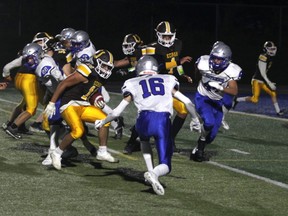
(132, 147)
(70, 153)
(197, 155)
(280, 113)
(13, 132)
(235, 102)
(5, 125)
(153, 180)
(36, 127)
(119, 128)
(23, 130)
(47, 161)
(225, 125)
(56, 160)
(106, 156)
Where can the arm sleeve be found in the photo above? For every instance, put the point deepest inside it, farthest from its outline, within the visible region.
(188, 103)
(13, 64)
(262, 68)
(116, 112)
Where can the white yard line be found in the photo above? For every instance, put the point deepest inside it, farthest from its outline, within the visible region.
(280, 184)
(239, 151)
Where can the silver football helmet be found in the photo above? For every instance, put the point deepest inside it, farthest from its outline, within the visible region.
(103, 62)
(217, 43)
(32, 55)
(80, 40)
(220, 57)
(270, 48)
(66, 34)
(147, 65)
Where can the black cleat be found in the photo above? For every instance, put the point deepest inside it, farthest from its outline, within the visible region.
(132, 147)
(119, 128)
(70, 153)
(280, 113)
(23, 130)
(13, 132)
(235, 102)
(197, 155)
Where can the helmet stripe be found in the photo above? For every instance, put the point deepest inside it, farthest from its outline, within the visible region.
(168, 29)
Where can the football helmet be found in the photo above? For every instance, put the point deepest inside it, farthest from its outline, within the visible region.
(269, 48)
(217, 43)
(130, 42)
(103, 62)
(66, 34)
(45, 40)
(80, 40)
(166, 34)
(220, 57)
(147, 65)
(32, 55)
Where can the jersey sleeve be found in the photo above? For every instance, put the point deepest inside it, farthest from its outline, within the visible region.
(84, 69)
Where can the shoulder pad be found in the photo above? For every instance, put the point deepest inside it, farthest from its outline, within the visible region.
(263, 58)
(85, 69)
(234, 71)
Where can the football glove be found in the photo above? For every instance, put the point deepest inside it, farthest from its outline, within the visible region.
(50, 109)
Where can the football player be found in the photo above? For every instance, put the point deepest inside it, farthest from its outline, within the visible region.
(167, 51)
(260, 80)
(218, 77)
(26, 82)
(146, 90)
(132, 46)
(75, 107)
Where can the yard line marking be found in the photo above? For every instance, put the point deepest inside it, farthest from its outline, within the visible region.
(259, 115)
(280, 184)
(239, 151)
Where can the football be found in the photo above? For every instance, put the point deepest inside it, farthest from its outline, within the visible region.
(97, 100)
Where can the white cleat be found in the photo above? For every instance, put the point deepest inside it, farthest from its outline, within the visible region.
(56, 160)
(225, 125)
(106, 156)
(195, 125)
(157, 187)
(47, 161)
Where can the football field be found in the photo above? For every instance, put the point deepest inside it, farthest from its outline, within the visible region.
(247, 173)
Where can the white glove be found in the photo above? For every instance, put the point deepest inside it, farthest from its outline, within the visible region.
(215, 85)
(98, 124)
(99, 102)
(50, 109)
(272, 86)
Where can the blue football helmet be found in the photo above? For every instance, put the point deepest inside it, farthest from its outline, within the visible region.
(220, 57)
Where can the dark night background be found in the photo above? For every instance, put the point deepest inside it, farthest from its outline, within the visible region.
(243, 25)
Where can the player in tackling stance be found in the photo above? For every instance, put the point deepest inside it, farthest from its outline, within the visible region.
(147, 90)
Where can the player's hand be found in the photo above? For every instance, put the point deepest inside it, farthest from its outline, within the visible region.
(188, 78)
(185, 59)
(8, 79)
(50, 109)
(3, 85)
(98, 124)
(272, 86)
(216, 85)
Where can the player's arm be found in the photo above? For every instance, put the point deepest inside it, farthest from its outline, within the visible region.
(115, 112)
(9, 66)
(188, 103)
(122, 62)
(262, 65)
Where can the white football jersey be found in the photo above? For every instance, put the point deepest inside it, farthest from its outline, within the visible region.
(86, 54)
(152, 92)
(232, 72)
(48, 73)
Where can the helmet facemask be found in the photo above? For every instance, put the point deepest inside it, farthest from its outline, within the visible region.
(166, 39)
(270, 48)
(128, 48)
(104, 69)
(220, 58)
